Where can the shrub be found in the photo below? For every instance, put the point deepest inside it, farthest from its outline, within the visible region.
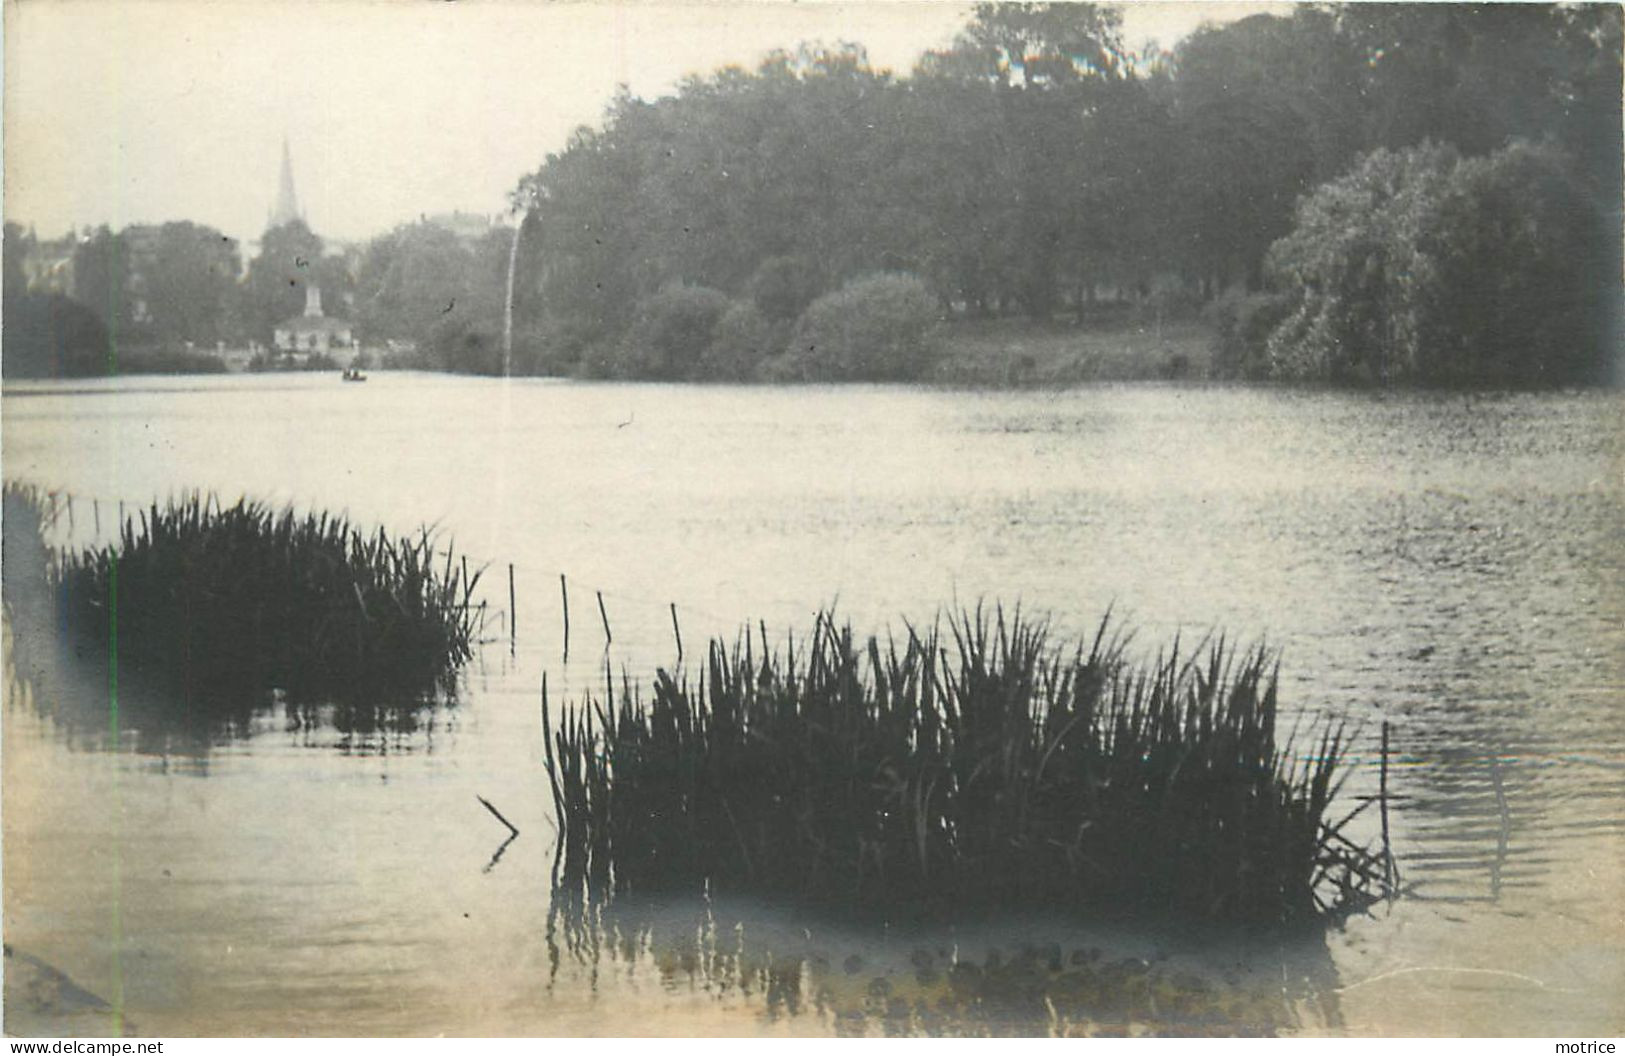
(1522, 291)
(466, 346)
(553, 347)
(783, 287)
(744, 338)
(48, 335)
(786, 368)
(881, 327)
(1242, 324)
(670, 331)
(603, 358)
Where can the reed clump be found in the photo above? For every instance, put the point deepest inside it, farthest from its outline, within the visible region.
(215, 600)
(980, 767)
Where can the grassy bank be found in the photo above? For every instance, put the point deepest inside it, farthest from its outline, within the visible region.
(988, 765)
(1020, 352)
(168, 359)
(216, 601)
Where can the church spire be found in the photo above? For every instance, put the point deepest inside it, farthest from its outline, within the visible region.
(287, 203)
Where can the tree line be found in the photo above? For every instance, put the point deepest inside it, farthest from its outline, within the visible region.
(166, 296)
(1037, 168)
(1361, 192)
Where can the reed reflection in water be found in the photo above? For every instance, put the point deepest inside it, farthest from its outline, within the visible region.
(89, 711)
(1019, 977)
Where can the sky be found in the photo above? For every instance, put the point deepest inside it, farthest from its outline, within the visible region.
(121, 112)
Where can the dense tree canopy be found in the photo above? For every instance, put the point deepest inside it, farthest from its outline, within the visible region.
(1264, 109)
(47, 335)
(425, 284)
(1034, 166)
(167, 284)
(101, 279)
(190, 284)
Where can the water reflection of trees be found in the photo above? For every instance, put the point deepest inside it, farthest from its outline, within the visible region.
(987, 978)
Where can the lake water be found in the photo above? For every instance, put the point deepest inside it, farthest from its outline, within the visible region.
(1450, 564)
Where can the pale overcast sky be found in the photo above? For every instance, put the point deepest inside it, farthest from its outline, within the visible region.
(125, 112)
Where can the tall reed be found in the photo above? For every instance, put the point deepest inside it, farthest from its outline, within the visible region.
(216, 600)
(980, 767)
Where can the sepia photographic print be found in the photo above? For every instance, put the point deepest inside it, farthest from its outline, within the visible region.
(768, 519)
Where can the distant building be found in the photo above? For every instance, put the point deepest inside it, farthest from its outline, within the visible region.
(313, 332)
(470, 228)
(286, 209)
(48, 263)
(126, 259)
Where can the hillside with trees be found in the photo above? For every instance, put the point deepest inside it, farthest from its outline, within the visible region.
(1037, 170)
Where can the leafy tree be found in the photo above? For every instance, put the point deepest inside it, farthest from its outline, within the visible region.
(581, 262)
(1049, 67)
(423, 283)
(1034, 44)
(1351, 266)
(743, 340)
(1475, 75)
(53, 336)
(1264, 110)
(1420, 265)
(172, 283)
(783, 286)
(190, 282)
(101, 279)
(47, 335)
(1523, 288)
(290, 260)
(671, 331)
(1119, 228)
(17, 244)
(410, 279)
(954, 199)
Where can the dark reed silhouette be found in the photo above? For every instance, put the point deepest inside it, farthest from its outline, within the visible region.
(218, 603)
(987, 767)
